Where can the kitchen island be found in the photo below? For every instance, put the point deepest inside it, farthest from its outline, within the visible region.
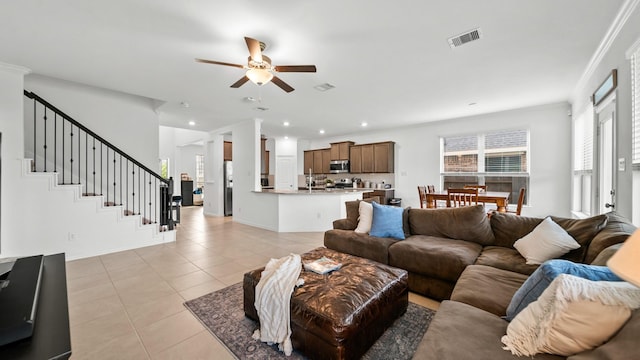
(304, 210)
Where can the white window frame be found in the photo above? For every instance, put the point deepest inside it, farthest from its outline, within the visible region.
(481, 173)
(633, 55)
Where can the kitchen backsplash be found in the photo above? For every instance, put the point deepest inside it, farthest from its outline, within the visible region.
(371, 178)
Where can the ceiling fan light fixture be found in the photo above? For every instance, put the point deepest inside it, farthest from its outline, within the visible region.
(259, 76)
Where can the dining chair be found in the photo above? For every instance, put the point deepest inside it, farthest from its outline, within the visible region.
(422, 195)
(476, 186)
(520, 202)
(462, 197)
(431, 189)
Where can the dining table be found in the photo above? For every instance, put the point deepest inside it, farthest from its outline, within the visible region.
(500, 198)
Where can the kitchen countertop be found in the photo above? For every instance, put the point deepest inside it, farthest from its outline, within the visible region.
(316, 192)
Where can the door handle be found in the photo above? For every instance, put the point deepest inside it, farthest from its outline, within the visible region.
(607, 205)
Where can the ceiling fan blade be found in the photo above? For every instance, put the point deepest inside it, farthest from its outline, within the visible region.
(281, 84)
(295, 68)
(219, 63)
(254, 49)
(240, 82)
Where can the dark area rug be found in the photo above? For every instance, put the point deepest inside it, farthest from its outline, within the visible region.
(222, 313)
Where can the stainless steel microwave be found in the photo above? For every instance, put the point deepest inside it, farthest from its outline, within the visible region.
(339, 166)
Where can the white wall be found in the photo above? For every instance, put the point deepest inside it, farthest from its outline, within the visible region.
(628, 186)
(12, 208)
(417, 153)
(127, 121)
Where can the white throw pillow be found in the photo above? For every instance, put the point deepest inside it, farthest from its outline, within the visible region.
(365, 218)
(572, 315)
(547, 241)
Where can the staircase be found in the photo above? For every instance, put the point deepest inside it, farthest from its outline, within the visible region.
(106, 199)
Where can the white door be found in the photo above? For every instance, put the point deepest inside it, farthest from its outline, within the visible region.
(285, 173)
(606, 116)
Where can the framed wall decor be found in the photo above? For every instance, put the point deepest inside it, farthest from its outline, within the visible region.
(608, 85)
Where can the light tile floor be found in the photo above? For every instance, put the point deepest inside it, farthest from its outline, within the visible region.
(129, 305)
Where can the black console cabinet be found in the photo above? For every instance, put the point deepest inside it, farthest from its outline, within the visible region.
(187, 192)
(51, 338)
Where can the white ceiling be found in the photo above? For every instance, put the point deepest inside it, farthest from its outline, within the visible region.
(389, 61)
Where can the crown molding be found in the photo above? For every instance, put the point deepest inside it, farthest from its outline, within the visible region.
(14, 68)
(612, 33)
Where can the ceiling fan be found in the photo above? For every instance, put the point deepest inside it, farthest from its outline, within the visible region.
(259, 68)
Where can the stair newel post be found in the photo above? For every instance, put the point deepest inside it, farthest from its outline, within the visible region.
(126, 187)
(114, 178)
(120, 173)
(86, 162)
(71, 154)
(79, 156)
(35, 117)
(94, 166)
(55, 142)
(133, 187)
(107, 166)
(139, 192)
(63, 149)
(44, 146)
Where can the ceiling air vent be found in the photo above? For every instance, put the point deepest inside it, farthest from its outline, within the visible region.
(464, 38)
(324, 87)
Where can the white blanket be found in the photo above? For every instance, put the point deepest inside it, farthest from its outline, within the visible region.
(272, 301)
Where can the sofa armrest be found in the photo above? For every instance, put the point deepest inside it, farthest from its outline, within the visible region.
(616, 230)
(344, 224)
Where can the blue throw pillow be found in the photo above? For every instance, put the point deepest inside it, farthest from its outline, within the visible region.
(387, 221)
(549, 270)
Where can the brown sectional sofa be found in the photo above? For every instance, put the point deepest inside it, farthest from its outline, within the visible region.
(468, 261)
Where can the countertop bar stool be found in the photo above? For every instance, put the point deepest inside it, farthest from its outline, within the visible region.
(462, 197)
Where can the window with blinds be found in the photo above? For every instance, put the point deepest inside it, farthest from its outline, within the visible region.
(583, 160)
(635, 104)
(499, 160)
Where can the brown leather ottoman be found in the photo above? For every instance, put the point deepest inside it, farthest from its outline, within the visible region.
(341, 314)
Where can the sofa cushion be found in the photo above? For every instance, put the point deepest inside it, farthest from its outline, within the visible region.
(487, 288)
(616, 230)
(572, 315)
(547, 241)
(436, 257)
(544, 275)
(583, 231)
(623, 345)
(387, 222)
(606, 254)
(353, 211)
(466, 223)
(507, 228)
(363, 245)
(505, 258)
(461, 331)
(365, 217)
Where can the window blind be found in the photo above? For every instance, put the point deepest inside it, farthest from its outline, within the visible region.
(583, 140)
(635, 104)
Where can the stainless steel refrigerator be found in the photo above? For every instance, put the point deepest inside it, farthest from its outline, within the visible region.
(228, 188)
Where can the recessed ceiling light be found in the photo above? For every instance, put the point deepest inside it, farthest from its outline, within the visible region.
(286, 137)
(364, 124)
(286, 123)
(192, 123)
(321, 131)
(249, 99)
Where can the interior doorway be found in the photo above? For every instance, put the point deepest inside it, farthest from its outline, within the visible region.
(606, 142)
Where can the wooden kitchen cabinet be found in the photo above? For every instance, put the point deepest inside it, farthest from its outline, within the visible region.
(326, 159)
(227, 151)
(317, 162)
(308, 161)
(355, 159)
(340, 151)
(367, 159)
(383, 157)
